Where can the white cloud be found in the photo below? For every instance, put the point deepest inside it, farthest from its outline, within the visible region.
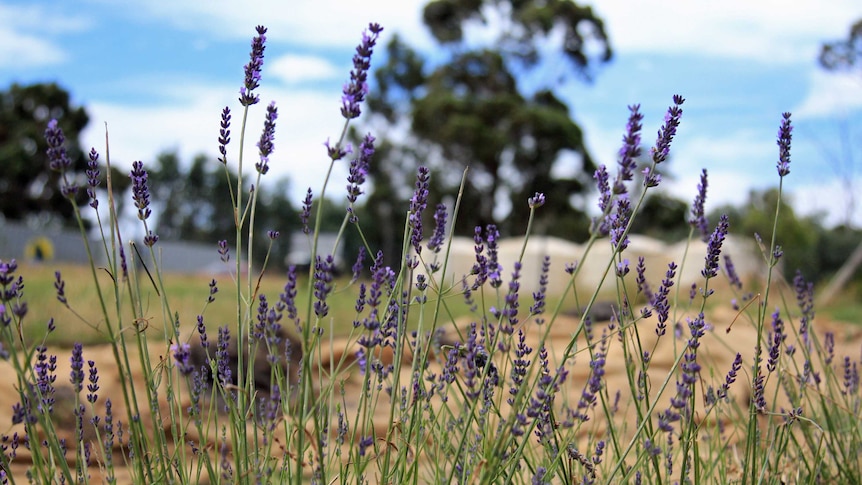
(27, 42)
(19, 51)
(190, 125)
(837, 201)
(830, 94)
(766, 31)
(297, 68)
(331, 23)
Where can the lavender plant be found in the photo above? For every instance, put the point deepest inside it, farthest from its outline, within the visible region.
(422, 394)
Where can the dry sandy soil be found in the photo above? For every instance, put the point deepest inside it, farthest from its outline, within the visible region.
(717, 351)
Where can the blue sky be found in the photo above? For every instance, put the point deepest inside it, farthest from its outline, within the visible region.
(159, 73)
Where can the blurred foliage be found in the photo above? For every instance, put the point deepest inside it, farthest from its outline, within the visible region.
(844, 54)
(28, 186)
(192, 203)
(809, 247)
(479, 107)
(663, 217)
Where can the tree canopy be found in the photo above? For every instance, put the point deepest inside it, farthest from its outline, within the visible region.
(469, 107)
(29, 188)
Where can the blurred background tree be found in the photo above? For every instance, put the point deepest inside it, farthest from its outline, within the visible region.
(30, 189)
(193, 204)
(489, 106)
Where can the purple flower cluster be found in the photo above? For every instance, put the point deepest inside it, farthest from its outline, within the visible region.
(359, 170)
(661, 303)
(537, 200)
(735, 367)
(253, 68)
(439, 234)
(93, 174)
(713, 247)
(266, 145)
(509, 316)
(417, 206)
(538, 306)
(76, 376)
(323, 271)
(665, 135)
(776, 338)
(520, 366)
(785, 135)
(58, 159)
(487, 266)
(182, 353)
(224, 134)
(141, 196)
(305, 214)
(630, 150)
(357, 88)
(698, 214)
(805, 300)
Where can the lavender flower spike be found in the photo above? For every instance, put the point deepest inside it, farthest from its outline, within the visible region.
(357, 88)
(224, 134)
(630, 150)
(785, 134)
(359, 168)
(666, 133)
(253, 68)
(698, 216)
(140, 190)
(58, 159)
(713, 248)
(266, 145)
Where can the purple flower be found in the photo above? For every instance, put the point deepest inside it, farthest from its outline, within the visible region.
(288, 296)
(603, 184)
(306, 212)
(713, 248)
(537, 200)
(437, 238)
(520, 366)
(223, 356)
(731, 376)
(358, 265)
(667, 132)
(851, 377)
(140, 190)
(732, 276)
(619, 222)
(417, 205)
(630, 150)
(181, 353)
(224, 134)
(661, 303)
(698, 217)
(359, 168)
(93, 177)
(539, 296)
(651, 177)
(77, 360)
(785, 134)
(252, 69)
(60, 286)
(266, 145)
(223, 251)
(777, 338)
(805, 300)
(58, 159)
(357, 88)
(323, 270)
(93, 386)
